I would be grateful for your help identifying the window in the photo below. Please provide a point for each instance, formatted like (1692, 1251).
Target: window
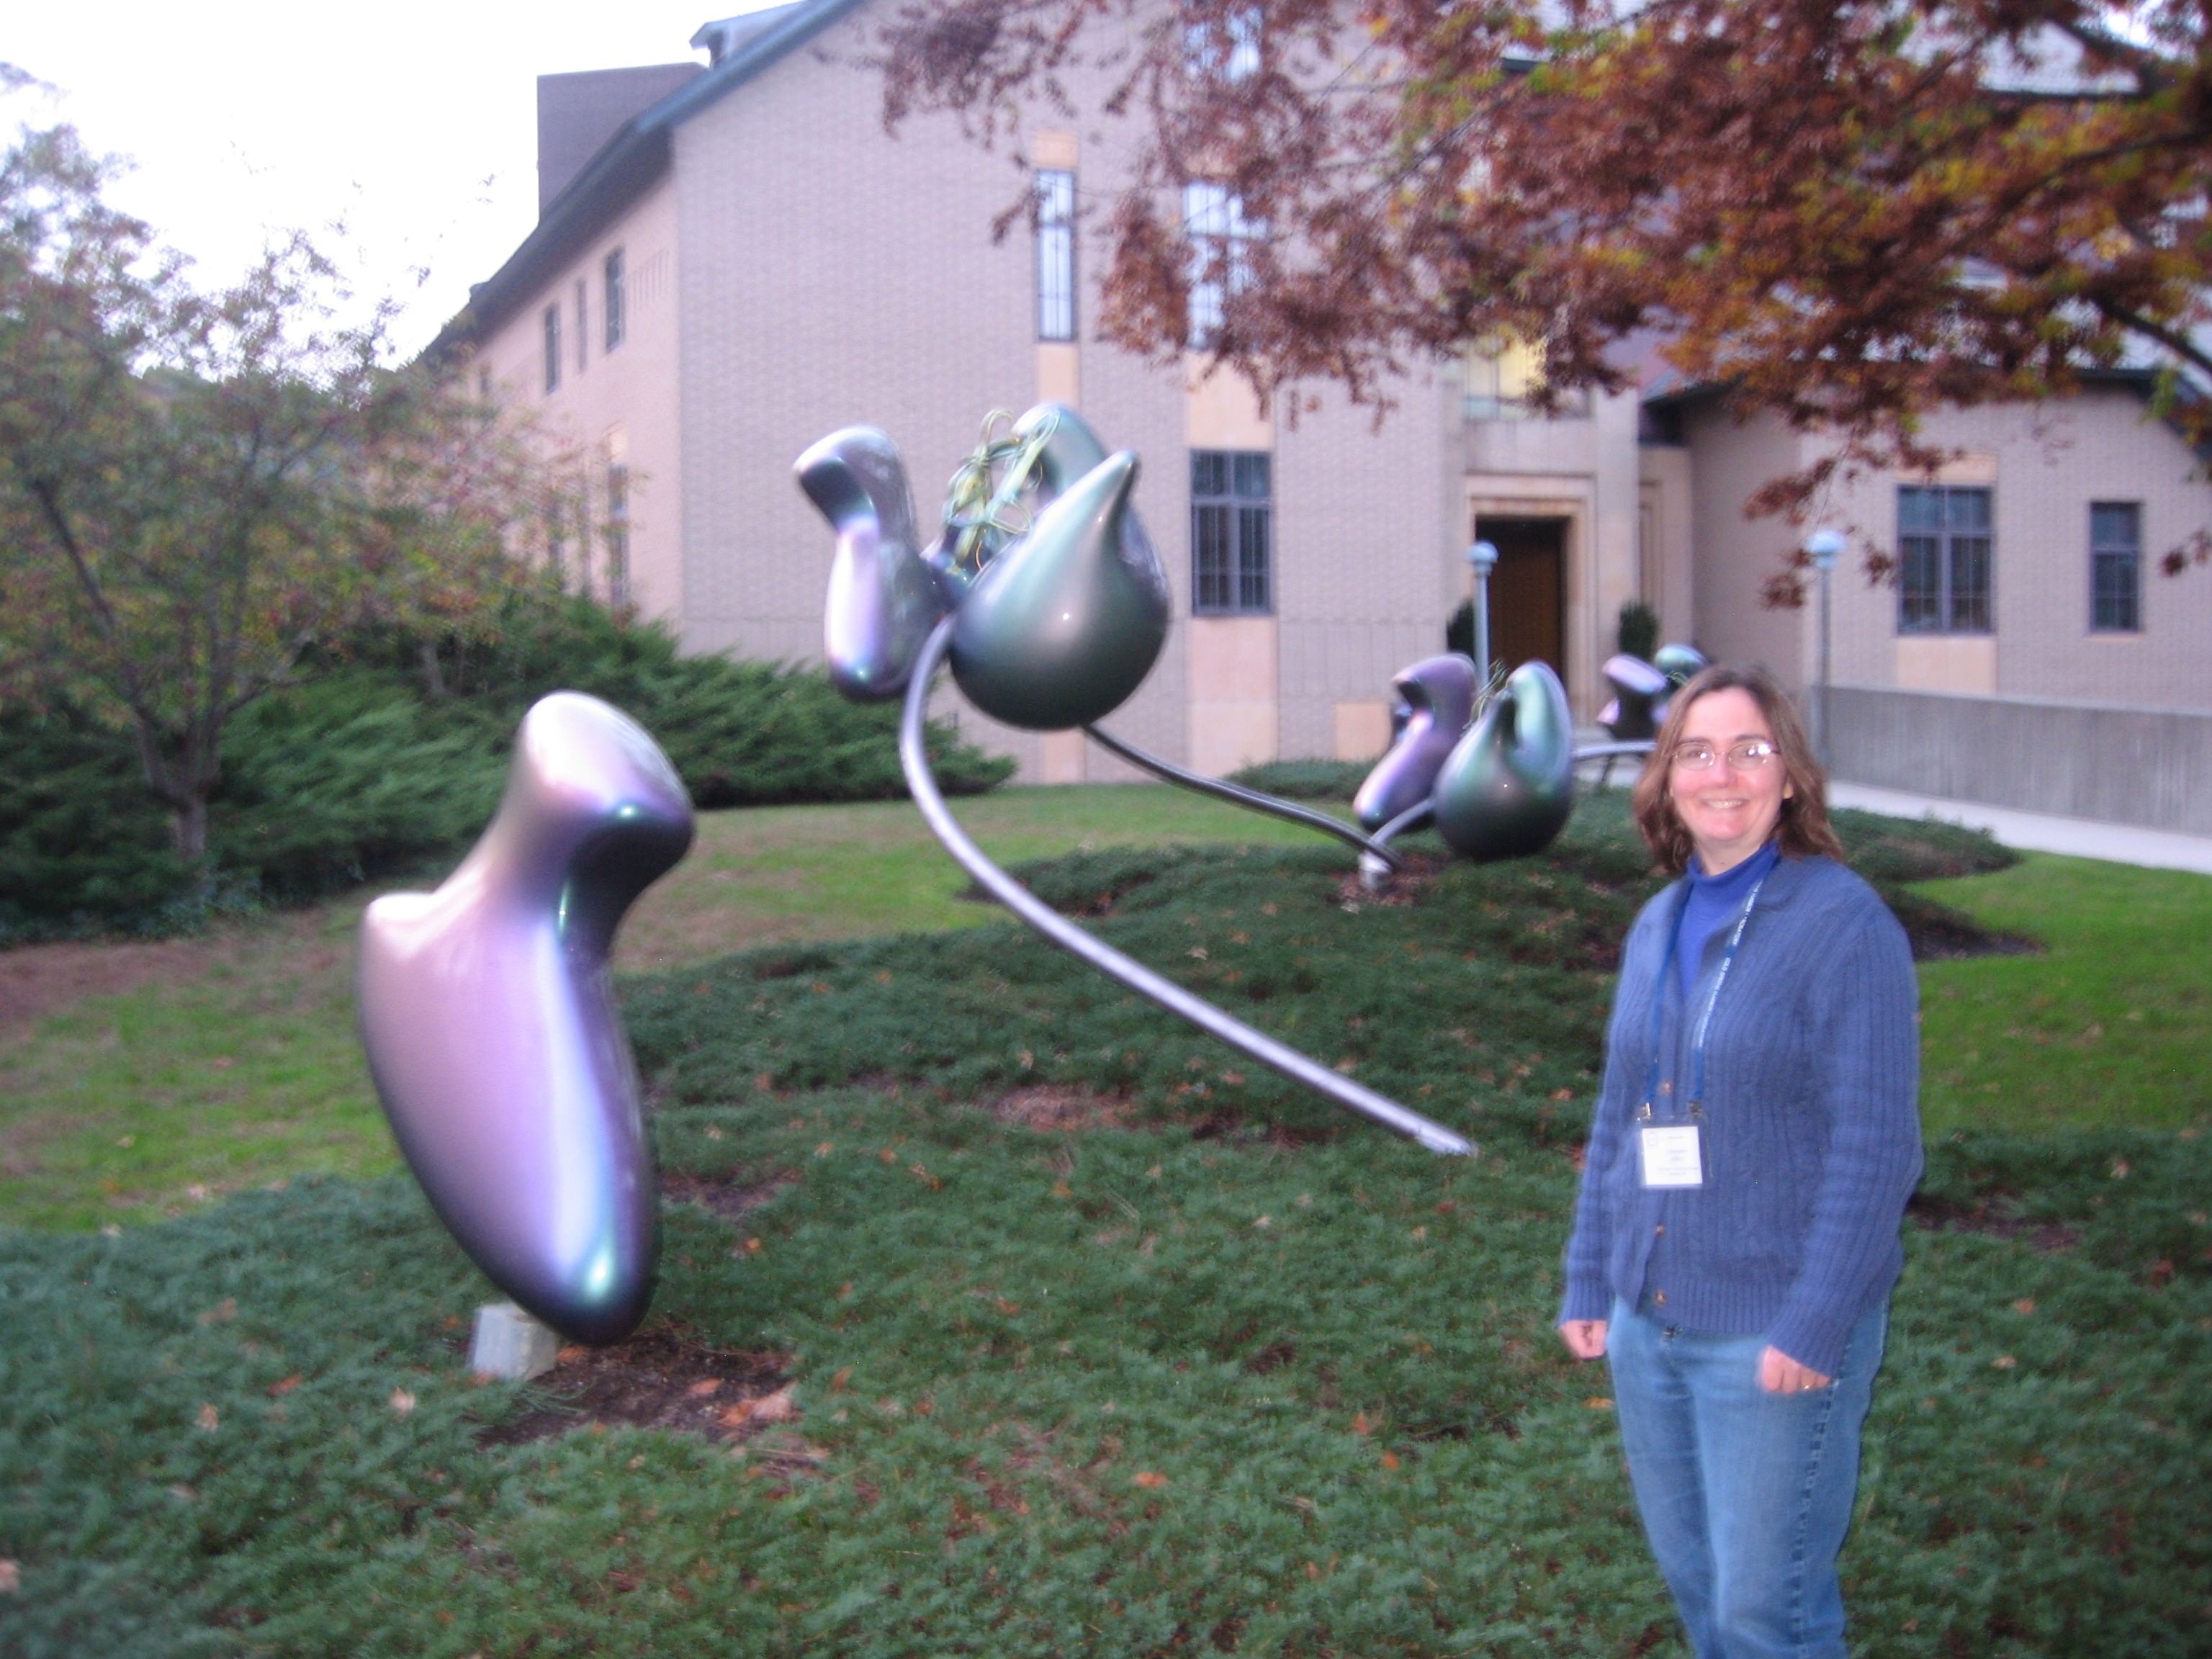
(552, 348)
(1503, 378)
(1055, 255)
(613, 306)
(1943, 545)
(583, 322)
(1225, 48)
(1221, 255)
(1231, 532)
(617, 567)
(2115, 567)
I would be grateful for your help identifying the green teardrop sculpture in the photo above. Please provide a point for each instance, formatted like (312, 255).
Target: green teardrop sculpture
(1510, 783)
(1065, 622)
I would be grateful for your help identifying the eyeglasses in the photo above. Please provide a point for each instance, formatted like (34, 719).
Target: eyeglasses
(1746, 755)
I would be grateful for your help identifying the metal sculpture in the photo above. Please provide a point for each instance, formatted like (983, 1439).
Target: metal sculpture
(489, 1016)
(1434, 701)
(1638, 691)
(1508, 785)
(1055, 609)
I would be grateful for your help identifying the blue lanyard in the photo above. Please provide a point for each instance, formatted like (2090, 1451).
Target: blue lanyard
(1705, 1020)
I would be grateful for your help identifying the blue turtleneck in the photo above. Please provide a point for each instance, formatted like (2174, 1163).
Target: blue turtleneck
(1713, 903)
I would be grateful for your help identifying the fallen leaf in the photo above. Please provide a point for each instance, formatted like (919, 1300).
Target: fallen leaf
(838, 1382)
(2005, 1361)
(1389, 1460)
(777, 1408)
(2119, 1169)
(11, 1578)
(1360, 1425)
(574, 1352)
(222, 1313)
(754, 1247)
(401, 1401)
(1598, 1403)
(208, 1420)
(703, 1387)
(2025, 1306)
(1149, 1480)
(279, 1390)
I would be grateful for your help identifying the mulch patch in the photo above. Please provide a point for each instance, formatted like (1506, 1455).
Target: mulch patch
(1062, 1106)
(1401, 886)
(727, 1199)
(1993, 1220)
(661, 1378)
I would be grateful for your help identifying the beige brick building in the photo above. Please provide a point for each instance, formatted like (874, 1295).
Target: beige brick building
(734, 258)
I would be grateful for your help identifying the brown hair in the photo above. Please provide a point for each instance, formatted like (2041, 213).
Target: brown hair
(1803, 829)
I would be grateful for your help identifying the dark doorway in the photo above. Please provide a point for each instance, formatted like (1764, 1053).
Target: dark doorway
(1528, 591)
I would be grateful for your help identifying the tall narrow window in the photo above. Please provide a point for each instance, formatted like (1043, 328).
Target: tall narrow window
(583, 322)
(1231, 532)
(613, 303)
(617, 566)
(552, 348)
(1225, 48)
(1055, 254)
(2115, 567)
(1944, 544)
(1221, 239)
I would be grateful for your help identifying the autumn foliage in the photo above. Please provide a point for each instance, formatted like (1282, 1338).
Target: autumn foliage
(1845, 212)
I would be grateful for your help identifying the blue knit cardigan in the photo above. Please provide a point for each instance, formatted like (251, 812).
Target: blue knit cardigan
(1810, 1122)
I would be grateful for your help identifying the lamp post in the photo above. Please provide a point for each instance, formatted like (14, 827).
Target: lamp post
(1825, 546)
(1483, 558)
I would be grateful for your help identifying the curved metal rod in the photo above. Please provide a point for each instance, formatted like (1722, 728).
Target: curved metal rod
(914, 757)
(1222, 789)
(1375, 872)
(1613, 750)
(1610, 752)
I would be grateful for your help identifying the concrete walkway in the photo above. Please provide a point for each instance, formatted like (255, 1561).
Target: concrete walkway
(2121, 843)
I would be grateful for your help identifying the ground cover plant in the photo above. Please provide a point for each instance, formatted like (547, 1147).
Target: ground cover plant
(1026, 1322)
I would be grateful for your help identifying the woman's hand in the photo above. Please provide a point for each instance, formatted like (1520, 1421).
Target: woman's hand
(1779, 1374)
(1585, 1338)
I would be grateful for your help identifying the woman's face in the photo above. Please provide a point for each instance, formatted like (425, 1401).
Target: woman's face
(1728, 810)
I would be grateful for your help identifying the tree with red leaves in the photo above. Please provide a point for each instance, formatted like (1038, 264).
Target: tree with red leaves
(1848, 212)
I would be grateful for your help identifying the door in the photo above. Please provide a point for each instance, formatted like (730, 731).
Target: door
(1528, 591)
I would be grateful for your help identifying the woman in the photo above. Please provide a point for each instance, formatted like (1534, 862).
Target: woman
(1757, 1135)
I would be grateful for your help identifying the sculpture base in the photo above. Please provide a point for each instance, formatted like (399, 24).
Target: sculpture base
(509, 1344)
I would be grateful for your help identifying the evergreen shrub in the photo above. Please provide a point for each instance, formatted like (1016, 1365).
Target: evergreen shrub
(392, 753)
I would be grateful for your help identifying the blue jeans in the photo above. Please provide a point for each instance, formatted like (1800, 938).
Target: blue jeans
(1745, 1495)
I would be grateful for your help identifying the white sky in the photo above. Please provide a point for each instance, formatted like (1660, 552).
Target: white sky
(413, 123)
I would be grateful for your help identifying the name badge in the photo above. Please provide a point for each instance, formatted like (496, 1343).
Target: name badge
(1670, 1155)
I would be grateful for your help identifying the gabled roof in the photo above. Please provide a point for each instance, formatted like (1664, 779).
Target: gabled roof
(625, 166)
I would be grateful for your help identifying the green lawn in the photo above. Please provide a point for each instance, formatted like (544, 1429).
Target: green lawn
(145, 1104)
(2111, 1024)
(1204, 1366)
